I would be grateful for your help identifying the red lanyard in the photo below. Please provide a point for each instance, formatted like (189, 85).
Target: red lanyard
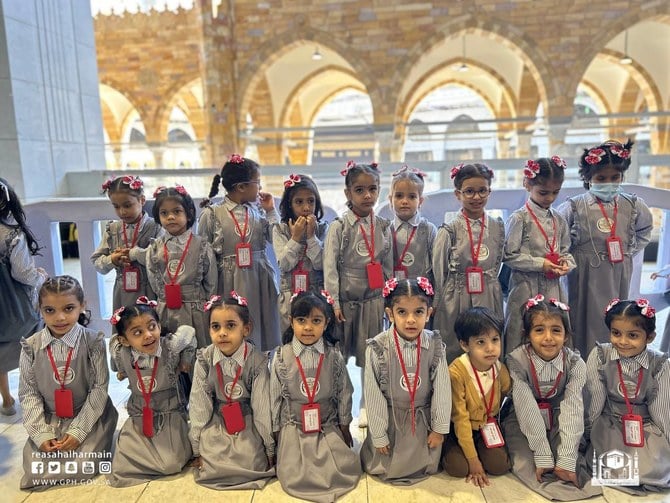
(241, 232)
(238, 373)
(623, 387)
(181, 260)
(552, 245)
(481, 388)
(146, 394)
(311, 393)
(136, 232)
(475, 253)
(411, 390)
(614, 215)
(536, 383)
(53, 366)
(302, 259)
(368, 245)
(404, 251)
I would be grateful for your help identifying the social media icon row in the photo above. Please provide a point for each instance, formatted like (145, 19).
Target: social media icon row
(69, 467)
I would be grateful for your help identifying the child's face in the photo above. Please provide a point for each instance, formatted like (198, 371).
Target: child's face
(409, 315)
(173, 217)
(247, 192)
(483, 349)
(545, 193)
(60, 312)
(128, 207)
(142, 333)
(547, 335)
(309, 329)
(303, 203)
(227, 330)
(627, 337)
(406, 199)
(607, 174)
(363, 194)
(473, 195)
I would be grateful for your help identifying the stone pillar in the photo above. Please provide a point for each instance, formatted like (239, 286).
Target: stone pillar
(384, 146)
(51, 122)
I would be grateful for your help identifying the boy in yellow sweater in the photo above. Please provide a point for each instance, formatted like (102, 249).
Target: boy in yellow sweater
(479, 382)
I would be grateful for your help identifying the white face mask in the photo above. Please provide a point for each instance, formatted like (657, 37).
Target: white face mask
(605, 191)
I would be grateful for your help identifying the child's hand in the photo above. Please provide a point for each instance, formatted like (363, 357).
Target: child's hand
(67, 443)
(196, 462)
(121, 376)
(120, 257)
(266, 200)
(311, 226)
(549, 267)
(541, 471)
(184, 367)
(339, 316)
(384, 450)
(566, 475)
(476, 473)
(346, 433)
(49, 446)
(297, 228)
(435, 439)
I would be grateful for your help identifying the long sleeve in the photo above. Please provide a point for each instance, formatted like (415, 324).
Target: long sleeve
(441, 252)
(658, 408)
(345, 391)
(32, 403)
(331, 259)
(315, 252)
(207, 224)
(375, 402)
(514, 256)
(23, 267)
(288, 252)
(184, 343)
(275, 396)
(200, 405)
(260, 405)
(102, 256)
(114, 350)
(643, 225)
(211, 277)
(571, 420)
(153, 272)
(565, 242)
(596, 389)
(460, 415)
(440, 407)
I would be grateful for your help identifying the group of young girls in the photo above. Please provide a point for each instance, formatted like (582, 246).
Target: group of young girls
(251, 418)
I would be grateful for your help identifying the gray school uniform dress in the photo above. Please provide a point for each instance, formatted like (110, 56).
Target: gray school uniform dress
(345, 258)
(138, 458)
(94, 419)
(237, 461)
(451, 256)
(314, 466)
(418, 259)
(528, 441)
(389, 408)
(651, 402)
(595, 281)
(524, 252)
(257, 283)
(197, 277)
(289, 254)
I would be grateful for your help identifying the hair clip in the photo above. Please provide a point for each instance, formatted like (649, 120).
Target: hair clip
(456, 170)
(159, 189)
(292, 180)
(612, 303)
(594, 156)
(295, 294)
(531, 168)
(236, 159)
(107, 184)
(620, 151)
(407, 169)
(116, 317)
(242, 301)
(534, 301)
(328, 297)
(646, 309)
(374, 166)
(181, 189)
(210, 303)
(133, 182)
(424, 284)
(559, 304)
(490, 171)
(559, 161)
(144, 301)
(389, 286)
(350, 164)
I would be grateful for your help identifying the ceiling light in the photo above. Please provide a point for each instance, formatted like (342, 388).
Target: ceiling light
(316, 55)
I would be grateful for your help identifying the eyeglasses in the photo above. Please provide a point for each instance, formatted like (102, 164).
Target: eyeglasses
(471, 193)
(257, 182)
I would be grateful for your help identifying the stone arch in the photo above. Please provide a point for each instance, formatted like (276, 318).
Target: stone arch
(181, 91)
(121, 113)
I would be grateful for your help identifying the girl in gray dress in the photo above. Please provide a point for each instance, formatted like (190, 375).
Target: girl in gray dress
(153, 441)
(298, 241)
(407, 389)
(239, 229)
(607, 228)
(536, 245)
(63, 380)
(310, 396)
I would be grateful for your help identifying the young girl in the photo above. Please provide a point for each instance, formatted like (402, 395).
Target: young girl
(181, 266)
(479, 382)
(231, 430)
(298, 241)
(536, 245)
(357, 260)
(124, 244)
(412, 234)
(19, 281)
(407, 389)
(153, 441)
(629, 388)
(239, 232)
(545, 424)
(310, 397)
(467, 255)
(63, 391)
(607, 228)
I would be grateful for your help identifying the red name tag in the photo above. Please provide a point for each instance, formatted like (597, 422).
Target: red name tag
(64, 402)
(547, 414)
(300, 280)
(474, 279)
(554, 258)
(233, 419)
(375, 275)
(148, 421)
(243, 254)
(491, 434)
(633, 433)
(400, 272)
(131, 279)
(173, 296)
(311, 418)
(614, 249)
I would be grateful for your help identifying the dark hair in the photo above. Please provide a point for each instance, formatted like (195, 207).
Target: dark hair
(412, 175)
(65, 285)
(285, 209)
(620, 163)
(302, 305)
(232, 174)
(549, 170)
(232, 303)
(474, 170)
(547, 309)
(172, 193)
(476, 321)
(630, 309)
(353, 171)
(133, 311)
(121, 184)
(407, 288)
(10, 205)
